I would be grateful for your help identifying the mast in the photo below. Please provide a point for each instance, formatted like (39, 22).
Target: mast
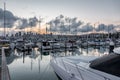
(108, 33)
(93, 32)
(30, 26)
(4, 19)
(69, 27)
(46, 29)
(39, 25)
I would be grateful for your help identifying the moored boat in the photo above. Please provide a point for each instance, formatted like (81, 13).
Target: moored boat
(88, 67)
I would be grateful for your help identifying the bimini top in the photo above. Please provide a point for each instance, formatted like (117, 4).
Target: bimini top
(117, 50)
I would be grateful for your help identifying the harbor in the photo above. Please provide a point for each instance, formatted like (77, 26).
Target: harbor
(36, 64)
(30, 56)
(59, 40)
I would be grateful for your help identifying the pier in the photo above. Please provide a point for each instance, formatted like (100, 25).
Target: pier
(4, 68)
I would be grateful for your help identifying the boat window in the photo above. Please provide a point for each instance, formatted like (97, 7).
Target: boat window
(109, 64)
(4, 42)
(46, 44)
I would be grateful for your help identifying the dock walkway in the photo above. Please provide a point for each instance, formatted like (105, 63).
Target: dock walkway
(4, 68)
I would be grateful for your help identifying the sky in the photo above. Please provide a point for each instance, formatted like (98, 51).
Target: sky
(92, 11)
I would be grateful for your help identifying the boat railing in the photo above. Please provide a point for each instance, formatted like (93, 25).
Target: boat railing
(77, 70)
(73, 70)
(92, 72)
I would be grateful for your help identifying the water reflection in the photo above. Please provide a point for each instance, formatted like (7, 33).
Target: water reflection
(94, 51)
(35, 65)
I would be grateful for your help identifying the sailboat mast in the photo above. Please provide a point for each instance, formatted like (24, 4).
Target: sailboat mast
(39, 25)
(69, 27)
(4, 19)
(108, 33)
(46, 28)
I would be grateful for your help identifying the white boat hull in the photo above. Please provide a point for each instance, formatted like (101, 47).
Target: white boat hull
(73, 69)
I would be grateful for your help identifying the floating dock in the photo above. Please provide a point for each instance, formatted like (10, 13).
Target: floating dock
(4, 68)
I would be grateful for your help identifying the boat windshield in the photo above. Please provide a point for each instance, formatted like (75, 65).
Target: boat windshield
(108, 63)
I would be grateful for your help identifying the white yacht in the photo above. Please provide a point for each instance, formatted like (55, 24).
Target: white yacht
(23, 45)
(117, 50)
(88, 67)
(69, 44)
(54, 44)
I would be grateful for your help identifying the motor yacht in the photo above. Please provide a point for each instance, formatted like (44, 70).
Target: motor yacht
(83, 67)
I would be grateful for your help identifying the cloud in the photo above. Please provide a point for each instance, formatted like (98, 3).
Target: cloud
(75, 24)
(111, 27)
(64, 24)
(22, 23)
(86, 28)
(61, 24)
(101, 27)
(33, 21)
(106, 28)
(9, 18)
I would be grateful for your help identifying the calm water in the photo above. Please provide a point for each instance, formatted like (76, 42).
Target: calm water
(35, 65)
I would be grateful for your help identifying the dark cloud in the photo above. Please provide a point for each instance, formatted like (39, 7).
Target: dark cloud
(8, 15)
(9, 18)
(64, 24)
(25, 23)
(33, 21)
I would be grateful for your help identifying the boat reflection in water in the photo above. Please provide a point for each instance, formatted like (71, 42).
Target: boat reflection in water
(35, 65)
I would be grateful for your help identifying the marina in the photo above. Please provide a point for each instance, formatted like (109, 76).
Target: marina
(59, 40)
(36, 64)
(35, 56)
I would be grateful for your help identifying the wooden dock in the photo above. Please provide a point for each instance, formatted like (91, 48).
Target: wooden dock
(4, 68)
